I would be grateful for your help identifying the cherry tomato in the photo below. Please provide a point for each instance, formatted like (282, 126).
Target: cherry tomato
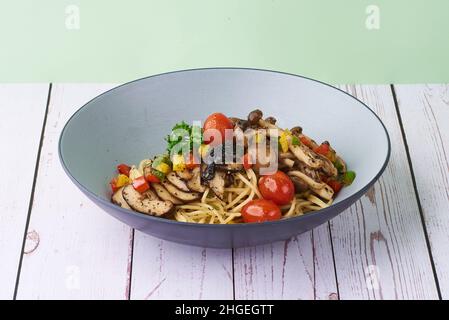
(335, 185)
(140, 184)
(260, 210)
(219, 122)
(277, 187)
(124, 169)
(247, 164)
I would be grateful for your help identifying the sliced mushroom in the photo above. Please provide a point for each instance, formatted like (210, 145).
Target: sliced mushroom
(217, 184)
(194, 184)
(164, 194)
(143, 204)
(150, 194)
(300, 185)
(177, 182)
(181, 195)
(319, 188)
(117, 198)
(185, 174)
(288, 162)
(304, 154)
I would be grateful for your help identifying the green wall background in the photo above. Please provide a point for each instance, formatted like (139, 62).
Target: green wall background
(324, 39)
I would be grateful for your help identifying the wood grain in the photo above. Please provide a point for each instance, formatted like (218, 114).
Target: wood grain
(74, 250)
(300, 268)
(425, 114)
(379, 243)
(165, 270)
(22, 111)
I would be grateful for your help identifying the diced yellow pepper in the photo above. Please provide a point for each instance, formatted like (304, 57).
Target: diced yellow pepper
(283, 141)
(164, 168)
(122, 181)
(178, 163)
(203, 150)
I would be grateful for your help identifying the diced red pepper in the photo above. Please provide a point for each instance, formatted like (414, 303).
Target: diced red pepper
(191, 164)
(322, 149)
(246, 162)
(124, 169)
(113, 184)
(306, 141)
(335, 185)
(140, 184)
(152, 178)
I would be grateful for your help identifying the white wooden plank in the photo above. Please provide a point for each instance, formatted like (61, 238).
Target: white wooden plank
(22, 111)
(166, 270)
(82, 252)
(425, 115)
(379, 243)
(300, 268)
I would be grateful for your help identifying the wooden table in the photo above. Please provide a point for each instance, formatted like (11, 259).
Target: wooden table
(392, 244)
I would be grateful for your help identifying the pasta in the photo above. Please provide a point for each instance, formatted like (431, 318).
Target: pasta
(279, 174)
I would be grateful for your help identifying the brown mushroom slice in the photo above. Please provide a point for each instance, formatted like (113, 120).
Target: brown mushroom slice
(320, 188)
(118, 199)
(164, 194)
(194, 183)
(185, 174)
(143, 204)
(328, 167)
(217, 184)
(300, 151)
(177, 181)
(305, 155)
(288, 162)
(181, 195)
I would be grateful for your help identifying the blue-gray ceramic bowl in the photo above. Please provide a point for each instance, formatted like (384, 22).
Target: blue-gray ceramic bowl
(128, 123)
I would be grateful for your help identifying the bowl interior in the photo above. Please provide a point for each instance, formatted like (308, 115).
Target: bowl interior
(129, 123)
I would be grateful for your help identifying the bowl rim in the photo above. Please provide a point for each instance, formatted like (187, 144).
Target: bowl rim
(345, 203)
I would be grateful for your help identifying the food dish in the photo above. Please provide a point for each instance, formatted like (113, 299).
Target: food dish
(233, 170)
(128, 123)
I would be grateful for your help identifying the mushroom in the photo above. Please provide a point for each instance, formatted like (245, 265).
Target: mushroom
(181, 195)
(177, 182)
(164, 194)
(143, 204)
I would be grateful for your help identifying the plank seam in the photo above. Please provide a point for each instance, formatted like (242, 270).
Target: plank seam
(129, 284)
(333, 259)
(418, 200)
(30, 203)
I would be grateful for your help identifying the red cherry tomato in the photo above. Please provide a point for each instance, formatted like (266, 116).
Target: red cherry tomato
(124, 169)
(260, 210)
(277, 187)
(219, 122)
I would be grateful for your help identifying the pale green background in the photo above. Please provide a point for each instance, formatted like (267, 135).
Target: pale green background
(124, 40)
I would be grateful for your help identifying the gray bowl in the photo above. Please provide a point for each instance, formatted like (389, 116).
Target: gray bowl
(129, 123)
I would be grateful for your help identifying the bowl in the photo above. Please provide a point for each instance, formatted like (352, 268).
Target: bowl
(129, 123)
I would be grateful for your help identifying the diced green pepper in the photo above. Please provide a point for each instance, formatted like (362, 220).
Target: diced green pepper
(348, 177)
